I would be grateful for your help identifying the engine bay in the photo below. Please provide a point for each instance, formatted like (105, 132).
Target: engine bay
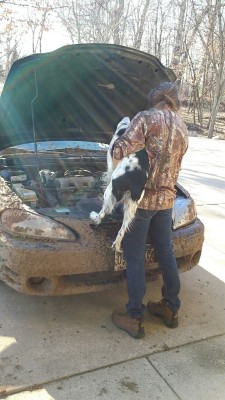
(54, 180)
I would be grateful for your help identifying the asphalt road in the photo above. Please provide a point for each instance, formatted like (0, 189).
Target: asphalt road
(67, 348)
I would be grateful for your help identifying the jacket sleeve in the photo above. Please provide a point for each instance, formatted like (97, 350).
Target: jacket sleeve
(133, 139)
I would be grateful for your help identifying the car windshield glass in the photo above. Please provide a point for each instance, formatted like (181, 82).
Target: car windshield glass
(57, 146)
(52, 146)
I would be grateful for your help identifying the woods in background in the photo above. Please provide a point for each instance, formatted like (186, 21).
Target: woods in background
(186, 35)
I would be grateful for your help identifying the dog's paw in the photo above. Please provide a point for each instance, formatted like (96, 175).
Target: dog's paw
(95, 218)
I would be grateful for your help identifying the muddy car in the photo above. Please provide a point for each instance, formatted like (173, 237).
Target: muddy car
(57, 114)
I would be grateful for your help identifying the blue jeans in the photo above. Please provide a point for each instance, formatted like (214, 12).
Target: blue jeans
(134, 242)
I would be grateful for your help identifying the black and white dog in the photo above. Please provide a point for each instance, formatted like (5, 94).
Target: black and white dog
(125, 183)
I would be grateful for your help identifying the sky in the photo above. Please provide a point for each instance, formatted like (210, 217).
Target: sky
(52, 40)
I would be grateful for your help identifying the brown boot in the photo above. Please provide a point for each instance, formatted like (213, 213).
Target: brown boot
(133, 326)
(160, 309)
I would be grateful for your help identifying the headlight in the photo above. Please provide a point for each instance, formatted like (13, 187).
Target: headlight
(26, 223)
(184, 212)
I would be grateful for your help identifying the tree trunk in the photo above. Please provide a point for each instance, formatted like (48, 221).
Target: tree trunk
(141, 24)
(117, 14)
(216, 103)
(178, 46)
(219, 63)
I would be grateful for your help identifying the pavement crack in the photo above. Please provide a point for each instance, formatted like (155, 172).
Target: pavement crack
(164, 379)
(68, 376)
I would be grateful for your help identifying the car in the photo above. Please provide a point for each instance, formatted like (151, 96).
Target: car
(58, 111)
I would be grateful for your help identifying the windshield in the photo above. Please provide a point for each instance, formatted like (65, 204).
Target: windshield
(57, 146)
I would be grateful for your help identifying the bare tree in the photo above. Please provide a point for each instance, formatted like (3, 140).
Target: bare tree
(210, 71)
(179, 39)
(140, 24)
(218, 60)
(38, 22)
(186, 35)
(9, 39)
(117, 13)
(93, 21)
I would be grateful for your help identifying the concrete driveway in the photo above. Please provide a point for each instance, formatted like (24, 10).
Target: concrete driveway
(67, 348)
(203, 174)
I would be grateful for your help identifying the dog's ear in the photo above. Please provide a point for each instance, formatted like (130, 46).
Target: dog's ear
(123, 124)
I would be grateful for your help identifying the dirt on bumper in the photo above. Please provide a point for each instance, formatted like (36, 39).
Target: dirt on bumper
(53, 268)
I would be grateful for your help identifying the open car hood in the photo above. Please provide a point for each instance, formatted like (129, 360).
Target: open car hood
(78, 92)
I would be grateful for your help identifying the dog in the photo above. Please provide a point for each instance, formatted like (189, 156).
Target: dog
(125, 183)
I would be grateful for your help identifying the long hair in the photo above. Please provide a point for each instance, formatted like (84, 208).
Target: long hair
(167, 92)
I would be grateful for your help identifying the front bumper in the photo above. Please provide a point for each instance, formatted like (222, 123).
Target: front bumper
(61, 268)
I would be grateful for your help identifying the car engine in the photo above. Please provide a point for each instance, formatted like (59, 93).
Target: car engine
(64, 182)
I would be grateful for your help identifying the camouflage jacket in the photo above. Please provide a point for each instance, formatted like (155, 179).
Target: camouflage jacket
(164, 136)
